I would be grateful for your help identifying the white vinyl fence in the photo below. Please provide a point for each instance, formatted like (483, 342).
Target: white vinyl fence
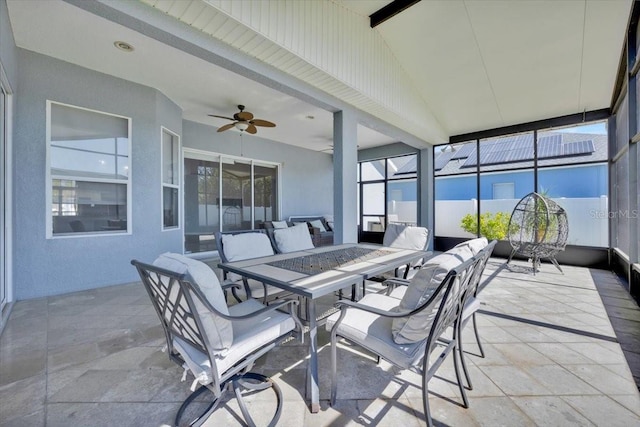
(588, 217)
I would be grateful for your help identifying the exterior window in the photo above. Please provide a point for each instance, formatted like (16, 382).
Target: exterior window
(89, 170)
(387, 192)
(170, 179)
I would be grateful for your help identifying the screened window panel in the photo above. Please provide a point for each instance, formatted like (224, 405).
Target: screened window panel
(89, 169)
(170, 159)
(373, 171)
(622, 211)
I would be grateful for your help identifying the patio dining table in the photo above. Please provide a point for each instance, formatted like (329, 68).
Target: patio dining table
(317, 272)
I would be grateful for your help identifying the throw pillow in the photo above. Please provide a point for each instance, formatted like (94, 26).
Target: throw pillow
(318, 224)
(415, 328)
(280, 224)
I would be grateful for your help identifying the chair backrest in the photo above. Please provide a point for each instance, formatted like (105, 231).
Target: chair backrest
(406, 237)
(187, 315)
(241, 245)
(292, 239)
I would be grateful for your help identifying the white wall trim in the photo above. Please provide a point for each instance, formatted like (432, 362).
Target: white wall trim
(180, 161)
(8, 214)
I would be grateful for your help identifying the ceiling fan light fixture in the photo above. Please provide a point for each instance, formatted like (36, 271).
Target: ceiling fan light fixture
(242, 126)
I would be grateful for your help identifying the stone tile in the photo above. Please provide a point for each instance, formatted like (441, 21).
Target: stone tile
(603, 379)
(629, 401)
(387, 412)
(603, 411)
(600, 352)
(559, 381)
(561, 353)
(35, 419)
(19, 365)
(110, 414)
(22, 398)
(343, 413)
(522, 354)
(514, 381)
(498, 411)
(550, 411)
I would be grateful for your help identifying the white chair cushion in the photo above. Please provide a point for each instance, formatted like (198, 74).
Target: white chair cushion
(406, 237)
(248, 336)
(415, 328)
(279, 224)
(218, 330)
(475, 245)
(238, 247)
(296, 238)
(374, 332)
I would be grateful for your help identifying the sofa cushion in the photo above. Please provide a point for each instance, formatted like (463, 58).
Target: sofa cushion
(415, 328)
(218, 330)
(296, 238)
(475, 245)
(318, 224)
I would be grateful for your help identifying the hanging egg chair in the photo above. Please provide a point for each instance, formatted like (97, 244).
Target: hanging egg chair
(538, 229)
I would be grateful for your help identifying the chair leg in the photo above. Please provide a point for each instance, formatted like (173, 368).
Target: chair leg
(425, 397)
(334, 368)
(555, 262)
(464, 363)
(205, 414)
(456, 363)
(475, 331)
(263, 383)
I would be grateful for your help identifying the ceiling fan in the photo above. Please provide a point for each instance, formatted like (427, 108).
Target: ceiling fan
(243, 121)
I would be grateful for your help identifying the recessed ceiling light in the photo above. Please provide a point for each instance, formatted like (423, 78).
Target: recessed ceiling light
(123, 46)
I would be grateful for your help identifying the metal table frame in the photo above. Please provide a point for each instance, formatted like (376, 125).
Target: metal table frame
(314, 286)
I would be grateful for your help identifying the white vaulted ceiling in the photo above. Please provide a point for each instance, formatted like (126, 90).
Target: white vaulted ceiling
(437, 69)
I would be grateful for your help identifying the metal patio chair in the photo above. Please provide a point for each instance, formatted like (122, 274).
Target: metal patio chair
(216, 344)
(406, 237)
(407, 335)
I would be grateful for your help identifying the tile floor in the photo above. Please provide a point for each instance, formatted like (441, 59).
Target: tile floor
(552, 359)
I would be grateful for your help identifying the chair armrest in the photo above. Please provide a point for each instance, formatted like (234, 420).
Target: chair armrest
(392, 283)
(343, 305)
(229, 285)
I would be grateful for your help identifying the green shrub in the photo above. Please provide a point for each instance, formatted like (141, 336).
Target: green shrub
(492, 226)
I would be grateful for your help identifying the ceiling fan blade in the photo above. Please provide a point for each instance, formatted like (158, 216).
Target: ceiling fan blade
(252, 129)
(264, 123)
(221, 117)
(226, 127)
(243, 115)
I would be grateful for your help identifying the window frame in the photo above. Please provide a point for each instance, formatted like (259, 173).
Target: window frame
(178, 186)
(49, 177)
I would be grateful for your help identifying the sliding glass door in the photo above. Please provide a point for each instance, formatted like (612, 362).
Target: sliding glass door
(222, 193)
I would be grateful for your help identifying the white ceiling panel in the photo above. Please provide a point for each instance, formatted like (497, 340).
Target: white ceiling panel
(476, 64)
